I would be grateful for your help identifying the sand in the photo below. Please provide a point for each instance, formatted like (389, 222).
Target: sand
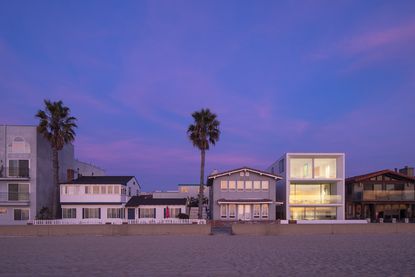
(220, 255)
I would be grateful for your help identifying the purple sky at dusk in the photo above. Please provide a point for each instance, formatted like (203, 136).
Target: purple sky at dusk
(312, 76)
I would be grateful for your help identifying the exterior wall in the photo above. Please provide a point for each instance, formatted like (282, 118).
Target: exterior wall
(182, 192)
(86, 169)
(217, 193)
(282, 167)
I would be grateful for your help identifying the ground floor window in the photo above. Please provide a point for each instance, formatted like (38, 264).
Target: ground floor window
(91, 213)
(223, 211)
(147, 213)
(21, 214)
(244, 212)
(265, 210)
(174, 212)
(68, 212)
(313, 213)
(115, 213)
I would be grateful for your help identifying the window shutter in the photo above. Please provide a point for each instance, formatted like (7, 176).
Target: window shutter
(164, 212)
(99, 213)
(154, 213)
(138, 212)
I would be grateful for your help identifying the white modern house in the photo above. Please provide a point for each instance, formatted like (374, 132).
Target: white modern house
(243, 194)
(313, 188)
(97, 198)
(26, 183)
(146, 207)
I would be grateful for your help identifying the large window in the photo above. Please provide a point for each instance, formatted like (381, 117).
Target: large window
(248, 185)
(19, 168)
(147, 213)
(301, 168)
(265, 185)
(257, 211)
(265, 210)
(313, 213)
(91, 213)
(68, 212)
(232, 211)
(324, 168)
(223, 211)
(257, 185)
(21, 214)
(313, 194)
(174, 212)
(232, 185)
(240, 185)
(224, 185)
(115, 213)
(18, 192)
(19, 145)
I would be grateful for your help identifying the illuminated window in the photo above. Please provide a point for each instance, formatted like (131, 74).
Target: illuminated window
(232, 210)
(324, 168)
(265, 185)
(257, 185)
(110, 189)
(223, 211)
(301, 168)
(248, 185)
(95, 189)
(257, 211)
(224, 185)
(232, 185)
(240, 185)
(103, 190)
(265, 209)
(116, 190)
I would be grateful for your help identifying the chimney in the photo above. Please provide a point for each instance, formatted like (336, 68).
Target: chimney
(70, 174)
(408, 171)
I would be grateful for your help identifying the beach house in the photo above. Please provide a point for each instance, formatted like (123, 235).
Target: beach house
(97, 198)
(313, 186)
(384, 195)
(26, 184)
(244, 194)
(145, 206)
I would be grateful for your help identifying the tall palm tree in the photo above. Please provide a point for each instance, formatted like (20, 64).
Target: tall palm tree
(58, 127)
(203, 133)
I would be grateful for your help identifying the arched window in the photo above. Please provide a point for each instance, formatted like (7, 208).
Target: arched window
(19, 145)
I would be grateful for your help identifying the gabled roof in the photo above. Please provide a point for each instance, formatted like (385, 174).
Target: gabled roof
(149, 200)
(101, 180)
(389, 172)
(229, 172)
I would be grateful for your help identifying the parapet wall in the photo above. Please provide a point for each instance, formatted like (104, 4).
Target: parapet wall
(105, 230)
(321, 229)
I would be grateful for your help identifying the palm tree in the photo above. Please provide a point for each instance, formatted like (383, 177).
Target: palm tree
(203, 133)
(58, 127)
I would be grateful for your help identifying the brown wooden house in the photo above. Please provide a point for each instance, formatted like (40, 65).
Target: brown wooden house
(384, 194)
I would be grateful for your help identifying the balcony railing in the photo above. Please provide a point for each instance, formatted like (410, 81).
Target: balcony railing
(315, 199)
(14, 172)
(386, 195)
(19, 197)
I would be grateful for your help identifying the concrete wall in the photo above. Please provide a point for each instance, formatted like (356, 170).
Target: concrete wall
(321, 229)
(106, 230)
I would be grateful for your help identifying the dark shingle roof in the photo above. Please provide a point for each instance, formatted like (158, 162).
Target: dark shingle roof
(148, 200)
(377, 173)
(102, 180)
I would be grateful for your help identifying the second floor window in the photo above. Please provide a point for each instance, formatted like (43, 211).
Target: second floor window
(19, 168)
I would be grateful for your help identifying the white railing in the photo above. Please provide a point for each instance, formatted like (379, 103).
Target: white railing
(117, 221)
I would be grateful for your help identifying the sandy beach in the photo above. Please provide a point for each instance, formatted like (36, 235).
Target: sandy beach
(219, 255)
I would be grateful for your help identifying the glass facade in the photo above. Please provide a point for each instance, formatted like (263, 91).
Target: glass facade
(317, 168)
(313, 213)
(313, 194)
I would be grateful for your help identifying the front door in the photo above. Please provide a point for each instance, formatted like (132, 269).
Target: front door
(131, 213)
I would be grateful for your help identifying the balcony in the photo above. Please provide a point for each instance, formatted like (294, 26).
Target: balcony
(14, 173)
(14, 198)
(315, 199)
(386, 195)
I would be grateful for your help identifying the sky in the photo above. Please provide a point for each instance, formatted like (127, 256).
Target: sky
(282, 76)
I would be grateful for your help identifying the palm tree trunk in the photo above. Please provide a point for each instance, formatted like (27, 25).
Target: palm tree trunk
(55, 172)
(201, 187)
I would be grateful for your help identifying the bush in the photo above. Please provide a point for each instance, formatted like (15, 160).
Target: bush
(183, 216)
